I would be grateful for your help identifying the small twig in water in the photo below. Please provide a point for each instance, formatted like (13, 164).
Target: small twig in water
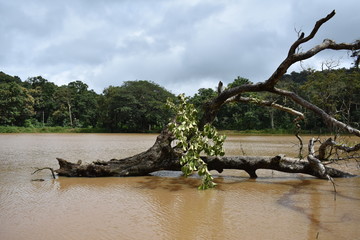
(38, 180)
(333, 183)
(297, 135)
(242, 149)
(39, 169)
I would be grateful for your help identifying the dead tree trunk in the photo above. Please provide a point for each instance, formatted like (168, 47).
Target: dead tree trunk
(126, 167)
(161, 156)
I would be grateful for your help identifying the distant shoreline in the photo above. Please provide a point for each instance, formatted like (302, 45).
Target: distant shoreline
(13, 129)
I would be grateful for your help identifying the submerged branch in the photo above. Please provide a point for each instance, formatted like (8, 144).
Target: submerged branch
(297, 135)
(315, 163)
(279, 163)
(49, 168)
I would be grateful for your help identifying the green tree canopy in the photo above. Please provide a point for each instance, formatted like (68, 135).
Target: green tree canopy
(5, 78)
(84, 104)
(43, 93)
(76, 106)
(136, 106)
(16, 104)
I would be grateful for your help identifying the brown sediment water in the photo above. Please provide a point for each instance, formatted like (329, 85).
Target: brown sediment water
(165, 206)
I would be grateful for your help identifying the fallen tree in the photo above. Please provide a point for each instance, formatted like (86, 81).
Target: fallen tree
(131, 167)
(164, 156)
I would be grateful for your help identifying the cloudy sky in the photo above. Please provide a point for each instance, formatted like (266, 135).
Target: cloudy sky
(182, 45)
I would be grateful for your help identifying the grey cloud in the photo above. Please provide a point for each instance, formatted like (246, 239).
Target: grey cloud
(182, 45)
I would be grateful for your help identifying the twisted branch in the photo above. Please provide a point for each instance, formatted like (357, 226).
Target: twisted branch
(49, 168)
(269, 85)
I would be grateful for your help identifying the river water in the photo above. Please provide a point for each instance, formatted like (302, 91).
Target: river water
(166, 206)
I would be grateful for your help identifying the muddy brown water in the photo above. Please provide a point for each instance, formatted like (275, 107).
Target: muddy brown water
(165, 206)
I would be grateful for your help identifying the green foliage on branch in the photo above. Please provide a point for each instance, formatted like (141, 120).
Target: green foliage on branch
(194, 141)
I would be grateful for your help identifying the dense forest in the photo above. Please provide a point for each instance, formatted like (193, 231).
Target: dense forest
(139, 106)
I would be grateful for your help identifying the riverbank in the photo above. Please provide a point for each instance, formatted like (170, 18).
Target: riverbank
(257, 132)
(11, 129)
(275, 132)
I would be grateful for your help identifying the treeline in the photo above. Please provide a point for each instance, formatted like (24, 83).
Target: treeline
(139, 106)
(136, 106)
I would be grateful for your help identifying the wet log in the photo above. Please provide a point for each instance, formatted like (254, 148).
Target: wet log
(279, 163)
(161, 156)
(141, 167)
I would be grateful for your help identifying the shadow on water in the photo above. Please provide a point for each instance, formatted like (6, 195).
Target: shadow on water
(171, 184)
(287, 201)
(175, 181)
(306, 199)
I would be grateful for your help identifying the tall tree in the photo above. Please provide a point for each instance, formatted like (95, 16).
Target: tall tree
(136, 106)
(62, 116)
(16, 104)
(43, 93)
(84, 104)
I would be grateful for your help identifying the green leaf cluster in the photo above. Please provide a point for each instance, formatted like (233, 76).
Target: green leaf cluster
(193, 141)
(136, 106)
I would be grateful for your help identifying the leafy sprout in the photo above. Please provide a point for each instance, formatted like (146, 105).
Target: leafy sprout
(194, 141)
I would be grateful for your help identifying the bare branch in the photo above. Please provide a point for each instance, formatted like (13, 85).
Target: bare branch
(329, 120)
(297, 135)
(269, 85)
(326, 44)
(314, 162)
(318, 166)
(290, 60)
(311, 35)
(330, 64)
(272, 104)
(331, 143)
(49, 168)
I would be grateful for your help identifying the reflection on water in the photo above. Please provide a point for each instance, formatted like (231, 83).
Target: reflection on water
(166, 205)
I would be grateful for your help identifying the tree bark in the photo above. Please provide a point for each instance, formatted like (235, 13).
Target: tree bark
(138, 166)
(161, 156)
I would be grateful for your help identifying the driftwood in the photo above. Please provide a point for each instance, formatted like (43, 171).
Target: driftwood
(162, 156)
(40, 169)
(123, 168)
